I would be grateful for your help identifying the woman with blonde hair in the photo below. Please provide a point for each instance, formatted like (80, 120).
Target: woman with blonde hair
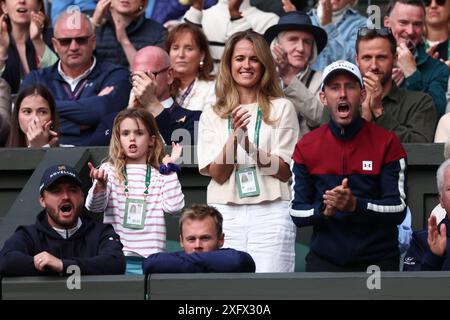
(251, 131)
(122, 29)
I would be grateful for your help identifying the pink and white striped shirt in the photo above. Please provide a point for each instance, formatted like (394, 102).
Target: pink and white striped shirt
(164, 195)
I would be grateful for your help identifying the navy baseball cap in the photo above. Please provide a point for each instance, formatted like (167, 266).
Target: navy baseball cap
(54, 173)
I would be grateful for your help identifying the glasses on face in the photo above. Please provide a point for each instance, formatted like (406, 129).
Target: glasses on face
(364, 31)
(65, 42)
(438, 2)
(155, 74)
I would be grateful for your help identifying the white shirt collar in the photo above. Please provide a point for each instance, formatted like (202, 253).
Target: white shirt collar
(73, 82)
(167, 103)
(67, 233)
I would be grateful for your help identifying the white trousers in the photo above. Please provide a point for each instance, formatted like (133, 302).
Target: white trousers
(265, 231)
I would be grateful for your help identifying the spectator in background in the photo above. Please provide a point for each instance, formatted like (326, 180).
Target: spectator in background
(438, 211)
(295, 44)
(5, 111)
(225, 18)
(201, 238)
(122, 29)
(63, 235)
(166, 10)
(341, 22)
(151, 78)
(437, 18)
(415, 70)
(35, 121)
(356, 199)
(85, 90)
(251, 131)
(411, 115)
(25, 40)
(429, 248)
(193, 86)
(60, 6)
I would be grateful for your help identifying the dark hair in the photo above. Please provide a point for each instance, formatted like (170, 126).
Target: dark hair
(370, 34)
(200, 212)
(204, 73)
(16, 137)
(392, 3)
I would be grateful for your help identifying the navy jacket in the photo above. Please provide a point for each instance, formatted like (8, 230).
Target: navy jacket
(14, 73)
(175, 124)
(88, 109)
(141, 32)
(221, 260)
(374, 162)
(419, 256)
(95, 248)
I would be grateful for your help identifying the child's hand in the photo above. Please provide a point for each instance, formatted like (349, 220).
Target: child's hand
(100, 175)
(177, 149)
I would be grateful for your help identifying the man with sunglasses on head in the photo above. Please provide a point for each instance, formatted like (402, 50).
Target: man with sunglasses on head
(85, 90)
(437, 17)
(411, 115)
(415, 70)
(151, 77)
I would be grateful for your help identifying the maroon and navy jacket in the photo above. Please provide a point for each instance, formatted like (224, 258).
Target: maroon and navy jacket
(374, 162)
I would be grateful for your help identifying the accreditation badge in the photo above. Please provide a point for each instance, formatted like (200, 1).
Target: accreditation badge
(247, 182)
(134, 217)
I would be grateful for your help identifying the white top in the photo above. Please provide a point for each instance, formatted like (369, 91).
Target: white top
(165, 195)
(202, 95)
(279, 140)
(443, 129)
(439, 213)
(218, 27)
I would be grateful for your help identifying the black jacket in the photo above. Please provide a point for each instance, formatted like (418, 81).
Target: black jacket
(95, 248)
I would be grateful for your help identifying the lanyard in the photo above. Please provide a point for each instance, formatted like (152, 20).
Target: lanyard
(257, 127)
(427, 46)
(148, 175)
(186, 93)
(74, 96)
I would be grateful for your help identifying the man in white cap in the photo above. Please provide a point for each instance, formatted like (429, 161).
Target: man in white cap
(349, 182)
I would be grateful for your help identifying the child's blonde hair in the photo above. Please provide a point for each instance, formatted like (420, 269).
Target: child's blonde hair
(117, 156)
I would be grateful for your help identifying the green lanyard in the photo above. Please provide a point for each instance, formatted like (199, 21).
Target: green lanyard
(148, 175)
(257, 127)
(427, 46)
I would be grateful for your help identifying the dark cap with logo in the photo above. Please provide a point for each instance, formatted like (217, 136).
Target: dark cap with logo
(54, 173)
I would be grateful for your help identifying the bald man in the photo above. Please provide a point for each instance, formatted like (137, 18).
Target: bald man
(85, 90)
(151, 77)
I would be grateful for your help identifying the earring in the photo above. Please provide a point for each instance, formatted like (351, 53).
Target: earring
(141, 8)
(201, 64)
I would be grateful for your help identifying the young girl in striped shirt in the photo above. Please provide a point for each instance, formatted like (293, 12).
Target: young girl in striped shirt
(130, 190)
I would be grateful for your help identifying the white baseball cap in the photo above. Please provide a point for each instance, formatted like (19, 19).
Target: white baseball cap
(341, 66)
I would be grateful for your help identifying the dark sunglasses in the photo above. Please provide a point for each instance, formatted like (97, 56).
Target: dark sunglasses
(65, 42)
(155, 74)
(438, 2)
(364, 31)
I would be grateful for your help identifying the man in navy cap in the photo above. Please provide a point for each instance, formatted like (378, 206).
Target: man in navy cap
(295, 44)
(62, 236)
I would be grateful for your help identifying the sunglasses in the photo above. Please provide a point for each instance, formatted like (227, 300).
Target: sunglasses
(155, 74)
(438, 2)
(364, 31)
(65, 42)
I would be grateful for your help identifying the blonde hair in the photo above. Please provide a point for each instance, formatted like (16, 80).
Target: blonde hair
(267, 88)
(117, 157)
